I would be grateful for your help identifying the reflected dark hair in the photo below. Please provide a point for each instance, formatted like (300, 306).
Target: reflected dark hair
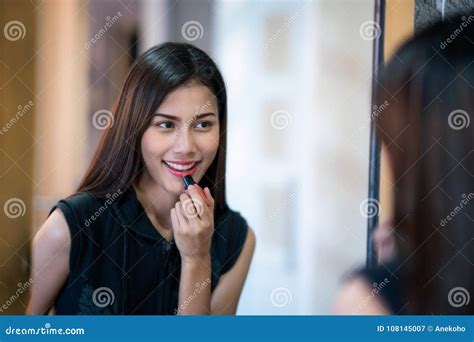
(160, 70)
(429, 138)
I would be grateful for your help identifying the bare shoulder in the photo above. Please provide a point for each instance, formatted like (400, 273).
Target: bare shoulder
(50, 263)
(356, 297)
(225, 297)
(54, 232)
(251, 240)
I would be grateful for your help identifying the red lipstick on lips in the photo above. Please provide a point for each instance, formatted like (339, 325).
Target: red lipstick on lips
(181, 173)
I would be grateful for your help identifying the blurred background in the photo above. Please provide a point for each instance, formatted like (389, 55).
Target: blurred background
(299, 78)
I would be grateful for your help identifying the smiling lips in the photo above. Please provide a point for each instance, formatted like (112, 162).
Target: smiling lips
(181, 168)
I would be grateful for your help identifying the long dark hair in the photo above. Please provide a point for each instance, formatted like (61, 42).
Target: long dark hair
(426, 129)
(160, 70)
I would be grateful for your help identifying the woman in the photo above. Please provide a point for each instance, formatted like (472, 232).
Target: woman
(131, 240)
(429, 141)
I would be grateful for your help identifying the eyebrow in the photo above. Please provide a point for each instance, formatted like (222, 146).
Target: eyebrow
(197, 117)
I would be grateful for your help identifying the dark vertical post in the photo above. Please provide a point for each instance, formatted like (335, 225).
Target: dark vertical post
(374, 151)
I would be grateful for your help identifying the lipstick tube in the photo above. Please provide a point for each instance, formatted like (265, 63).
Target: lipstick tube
(188, 180)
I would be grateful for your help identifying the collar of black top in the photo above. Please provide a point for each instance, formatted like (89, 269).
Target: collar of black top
(129, 212)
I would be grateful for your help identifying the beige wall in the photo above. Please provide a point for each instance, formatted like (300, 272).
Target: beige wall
(62, 94)
(17, 78)
(399, 25)
(41, 153)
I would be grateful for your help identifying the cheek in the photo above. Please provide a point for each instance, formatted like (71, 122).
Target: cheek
(210, 145)
(151, 147)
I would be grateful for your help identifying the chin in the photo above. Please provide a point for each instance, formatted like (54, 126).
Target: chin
(175, 188)
(178, 191)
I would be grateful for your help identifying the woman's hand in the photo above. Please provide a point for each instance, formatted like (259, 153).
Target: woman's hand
(193, 224)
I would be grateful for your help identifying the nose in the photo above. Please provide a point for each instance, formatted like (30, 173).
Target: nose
(184, 143)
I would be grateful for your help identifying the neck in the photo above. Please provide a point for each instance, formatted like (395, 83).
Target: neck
(156, 200)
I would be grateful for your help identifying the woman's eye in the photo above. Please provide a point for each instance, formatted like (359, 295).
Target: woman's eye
(204, 125)
(166, 124)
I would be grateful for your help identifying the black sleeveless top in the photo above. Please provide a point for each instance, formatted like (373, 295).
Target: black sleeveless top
(120, 264)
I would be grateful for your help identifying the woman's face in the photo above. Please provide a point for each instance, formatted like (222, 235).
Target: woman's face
(183, 137)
